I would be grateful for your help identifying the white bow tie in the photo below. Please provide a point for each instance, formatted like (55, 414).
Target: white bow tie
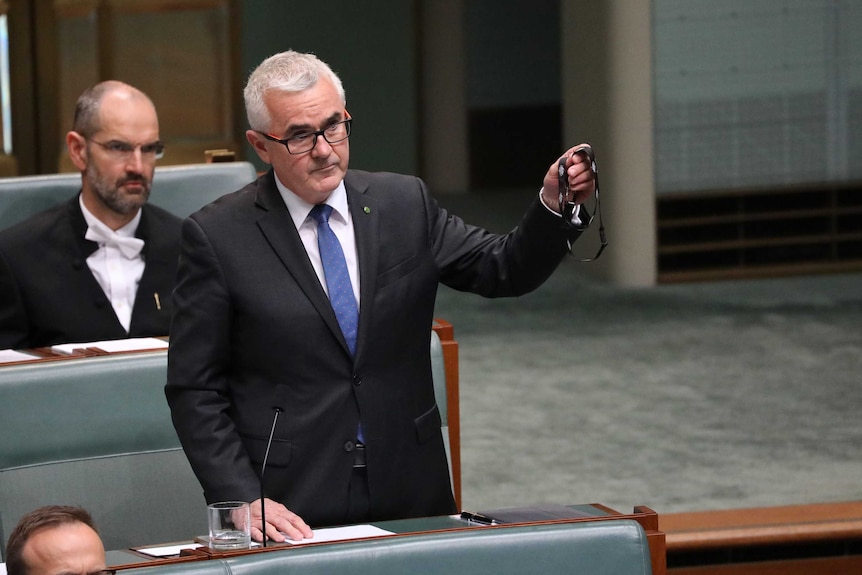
(129, 246)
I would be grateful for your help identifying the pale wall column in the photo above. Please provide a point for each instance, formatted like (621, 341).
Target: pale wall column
(444, 156)
(607, 100)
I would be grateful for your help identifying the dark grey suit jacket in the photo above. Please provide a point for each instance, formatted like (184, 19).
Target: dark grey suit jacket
(48, 294)
(253, 329)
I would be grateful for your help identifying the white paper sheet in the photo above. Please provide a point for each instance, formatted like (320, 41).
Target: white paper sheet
(168, 550)
(114, 345)
(342, 534)
(10, 355)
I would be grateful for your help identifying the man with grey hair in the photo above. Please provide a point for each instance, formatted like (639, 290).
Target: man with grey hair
(101, 265)
(303, 311)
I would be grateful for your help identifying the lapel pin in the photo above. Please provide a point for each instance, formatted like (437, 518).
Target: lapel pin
(366, 209)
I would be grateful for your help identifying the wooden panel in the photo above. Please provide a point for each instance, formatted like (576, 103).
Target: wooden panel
(183, 54)
(816, 538)
(759, 233)
(825, 566)
(762, 526)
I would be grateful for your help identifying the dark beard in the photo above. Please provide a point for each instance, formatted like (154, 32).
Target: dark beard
(111, 195)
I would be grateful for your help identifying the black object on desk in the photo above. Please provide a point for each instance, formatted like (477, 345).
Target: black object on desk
(542, 512)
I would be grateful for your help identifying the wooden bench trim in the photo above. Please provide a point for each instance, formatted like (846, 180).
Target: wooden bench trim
(762, 526)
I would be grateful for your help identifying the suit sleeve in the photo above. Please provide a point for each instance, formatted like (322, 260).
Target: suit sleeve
(475, 260)
(198, 371)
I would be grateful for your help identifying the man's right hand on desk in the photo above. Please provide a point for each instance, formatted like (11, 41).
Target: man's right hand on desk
(280, 522)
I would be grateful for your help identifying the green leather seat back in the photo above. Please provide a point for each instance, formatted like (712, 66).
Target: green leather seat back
(97, 433)
(598, 548)
(25, 196)
(181, 190)
(438, 373)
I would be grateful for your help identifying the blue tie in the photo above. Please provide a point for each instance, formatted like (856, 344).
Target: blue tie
(337, 278)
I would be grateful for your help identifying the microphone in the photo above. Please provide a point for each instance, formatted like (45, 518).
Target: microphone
(278, 409)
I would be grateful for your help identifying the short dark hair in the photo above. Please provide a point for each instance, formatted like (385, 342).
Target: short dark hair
(86, 121)
(41, 518)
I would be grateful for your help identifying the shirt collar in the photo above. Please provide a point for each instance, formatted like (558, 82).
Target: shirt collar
(299, 208)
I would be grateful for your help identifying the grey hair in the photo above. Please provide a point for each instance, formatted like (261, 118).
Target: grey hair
(284, 72)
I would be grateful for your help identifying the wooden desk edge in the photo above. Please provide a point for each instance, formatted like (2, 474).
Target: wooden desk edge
(645, 516)
(762, 526)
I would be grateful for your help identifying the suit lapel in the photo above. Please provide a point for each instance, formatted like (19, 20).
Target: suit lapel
(277, 227)
(366, 223)
(84, 248)
(158, 271)
(83, 280)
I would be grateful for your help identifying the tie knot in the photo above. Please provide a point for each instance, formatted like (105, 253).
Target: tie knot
(321, 213)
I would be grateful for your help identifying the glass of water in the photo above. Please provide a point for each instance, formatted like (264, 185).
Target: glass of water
(230, 525)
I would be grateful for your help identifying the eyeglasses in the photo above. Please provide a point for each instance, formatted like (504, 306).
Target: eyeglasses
(305, 141)
(120, 150)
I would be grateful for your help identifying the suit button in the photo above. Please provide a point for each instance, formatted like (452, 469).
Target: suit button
(357, 381)
(349, 446)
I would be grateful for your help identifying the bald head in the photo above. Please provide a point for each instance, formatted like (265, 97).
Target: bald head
(88, 119)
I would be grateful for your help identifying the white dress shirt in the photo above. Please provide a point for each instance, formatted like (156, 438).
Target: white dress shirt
(341, 223)
(117, 273)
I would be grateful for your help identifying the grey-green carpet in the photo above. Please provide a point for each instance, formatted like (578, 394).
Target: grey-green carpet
(680, 397)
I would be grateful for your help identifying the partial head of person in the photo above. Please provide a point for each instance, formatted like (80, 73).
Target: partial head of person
(115, 143)
(56, 540)
(299, 123)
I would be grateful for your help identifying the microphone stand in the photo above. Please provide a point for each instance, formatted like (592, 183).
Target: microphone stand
(262, 472)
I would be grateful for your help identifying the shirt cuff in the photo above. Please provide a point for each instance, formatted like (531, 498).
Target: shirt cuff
(576, 219)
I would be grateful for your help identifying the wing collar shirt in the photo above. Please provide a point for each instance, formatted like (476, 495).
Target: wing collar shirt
(341, 223)
(117, 268)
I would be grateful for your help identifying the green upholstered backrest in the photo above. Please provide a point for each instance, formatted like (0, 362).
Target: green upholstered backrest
(82, 408)
(97, 432)
(181, 190)
(598, 548)
(25, 196)
(438, 373)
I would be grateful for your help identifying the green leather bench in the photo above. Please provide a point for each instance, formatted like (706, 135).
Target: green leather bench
(181, 190)
(595, 548)
(97, 432)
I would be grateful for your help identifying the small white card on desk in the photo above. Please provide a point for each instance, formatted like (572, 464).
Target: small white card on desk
(114, 345)
(342, 534)
(167, 550)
